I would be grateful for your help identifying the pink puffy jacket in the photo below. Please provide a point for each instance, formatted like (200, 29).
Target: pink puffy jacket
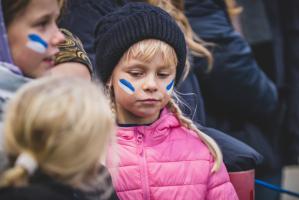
(166, 161)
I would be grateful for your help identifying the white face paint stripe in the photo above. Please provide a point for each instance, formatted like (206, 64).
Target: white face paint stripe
(126, 86)
(36, 43)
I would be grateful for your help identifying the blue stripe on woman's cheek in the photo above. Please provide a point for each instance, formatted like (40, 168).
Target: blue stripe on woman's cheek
(169, 87)
(126, 86)
(36, 43)
(37, 38)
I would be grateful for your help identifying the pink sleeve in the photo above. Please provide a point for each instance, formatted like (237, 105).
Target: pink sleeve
(220, 187)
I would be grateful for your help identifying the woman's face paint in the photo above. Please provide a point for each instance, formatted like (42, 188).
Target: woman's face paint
(169, 87)
(37, 44)
(126, 86)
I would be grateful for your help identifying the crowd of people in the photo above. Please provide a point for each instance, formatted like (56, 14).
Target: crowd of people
(128, 99)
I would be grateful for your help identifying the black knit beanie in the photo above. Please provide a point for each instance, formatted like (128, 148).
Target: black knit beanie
(116, 32)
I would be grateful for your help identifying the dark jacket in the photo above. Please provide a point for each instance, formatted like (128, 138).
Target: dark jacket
(81, 19)
(45, 188)
(284, 23)
(236, 84)
(237, 93)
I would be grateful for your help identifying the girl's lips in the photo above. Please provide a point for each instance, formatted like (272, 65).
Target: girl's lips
(149, 101)
(49, 61)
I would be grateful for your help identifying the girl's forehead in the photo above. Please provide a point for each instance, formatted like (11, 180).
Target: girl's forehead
(152, 49)
(40, 8)
(157, 61)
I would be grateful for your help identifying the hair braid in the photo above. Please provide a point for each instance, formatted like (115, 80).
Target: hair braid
(187, 123)
(15, 176)
(108, 90)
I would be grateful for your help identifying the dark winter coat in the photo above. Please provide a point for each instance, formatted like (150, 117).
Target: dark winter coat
(237, 93)
(284, 22)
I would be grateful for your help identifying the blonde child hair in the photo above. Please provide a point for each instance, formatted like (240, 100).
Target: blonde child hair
(195, 44)
(62, 124)
(145, 50)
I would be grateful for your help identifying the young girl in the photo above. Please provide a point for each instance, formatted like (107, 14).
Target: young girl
(140, 56)
(56, 131)
(29, 39)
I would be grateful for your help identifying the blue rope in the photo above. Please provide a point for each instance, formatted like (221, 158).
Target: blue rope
(276, 188)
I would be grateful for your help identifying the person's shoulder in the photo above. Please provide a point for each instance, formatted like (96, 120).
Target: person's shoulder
(193, 141)
(28, 193)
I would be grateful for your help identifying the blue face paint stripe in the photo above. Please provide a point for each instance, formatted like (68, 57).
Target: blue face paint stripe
(36, 38)
(127, 84)
(169, 86)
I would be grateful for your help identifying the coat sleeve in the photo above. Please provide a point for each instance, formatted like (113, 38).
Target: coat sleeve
(236, 83)
(71, 50)
(220, 187)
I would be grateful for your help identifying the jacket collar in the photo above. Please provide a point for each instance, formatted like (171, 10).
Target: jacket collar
(149, 135)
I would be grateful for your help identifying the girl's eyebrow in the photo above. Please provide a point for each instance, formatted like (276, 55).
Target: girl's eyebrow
(141, 65)
(44, 17)
(47, 15)
(136, 65)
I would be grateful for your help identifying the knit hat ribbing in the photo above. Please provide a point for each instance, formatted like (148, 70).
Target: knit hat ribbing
(118, 31)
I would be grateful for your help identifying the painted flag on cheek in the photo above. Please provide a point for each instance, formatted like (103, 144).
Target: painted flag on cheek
(169, 87)
(126, 86)
(36, 43)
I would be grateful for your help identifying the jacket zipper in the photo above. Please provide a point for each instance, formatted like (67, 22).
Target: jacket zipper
(143, 163)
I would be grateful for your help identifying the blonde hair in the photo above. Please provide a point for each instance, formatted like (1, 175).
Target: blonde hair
(64, 123)
(232, 8)
(195, 44)
(188, 123)
(145, 50)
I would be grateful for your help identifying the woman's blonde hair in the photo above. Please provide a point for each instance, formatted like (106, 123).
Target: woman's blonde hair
(64, 123)
(145, 50)
(195, 44)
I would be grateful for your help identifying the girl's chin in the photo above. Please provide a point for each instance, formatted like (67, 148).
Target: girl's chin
(147, 117)
(44, 69)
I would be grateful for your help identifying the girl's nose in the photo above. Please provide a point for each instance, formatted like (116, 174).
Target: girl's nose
(57, 38)
(150, 84)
